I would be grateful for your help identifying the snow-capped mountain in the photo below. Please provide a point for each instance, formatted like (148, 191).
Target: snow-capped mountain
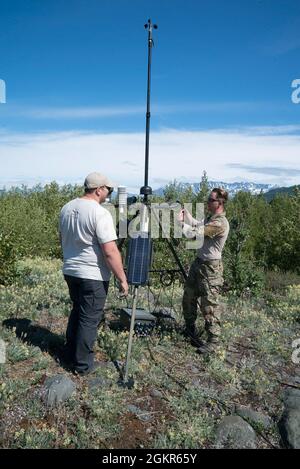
(231, 187)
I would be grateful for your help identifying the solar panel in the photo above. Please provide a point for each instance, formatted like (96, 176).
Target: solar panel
(139, 260)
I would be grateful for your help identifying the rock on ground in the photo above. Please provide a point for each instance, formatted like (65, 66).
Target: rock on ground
(58, 389)
(142, 415)
(253, 416)
(289, 425)
(234, 432)
(156, 393)
(99, 382)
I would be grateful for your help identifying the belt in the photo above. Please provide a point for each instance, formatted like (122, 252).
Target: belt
(209, 262)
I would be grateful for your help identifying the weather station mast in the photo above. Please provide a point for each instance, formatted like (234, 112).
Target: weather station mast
(146, 190)
(139, 251)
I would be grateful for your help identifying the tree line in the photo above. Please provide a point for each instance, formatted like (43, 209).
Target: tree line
(264, 236)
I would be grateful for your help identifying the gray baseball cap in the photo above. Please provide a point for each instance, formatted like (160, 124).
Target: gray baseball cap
(94, 180)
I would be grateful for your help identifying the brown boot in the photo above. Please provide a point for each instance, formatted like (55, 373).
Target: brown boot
(191, 333)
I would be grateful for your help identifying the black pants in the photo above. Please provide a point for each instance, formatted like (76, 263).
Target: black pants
(88, 297)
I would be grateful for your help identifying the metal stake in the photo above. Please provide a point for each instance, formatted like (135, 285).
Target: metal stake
(135, 295)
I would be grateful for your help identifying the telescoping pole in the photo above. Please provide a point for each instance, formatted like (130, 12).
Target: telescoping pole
(140, 250)
(146, 190)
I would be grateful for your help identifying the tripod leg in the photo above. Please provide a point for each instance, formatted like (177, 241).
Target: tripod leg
(170, 244)
(135, 295)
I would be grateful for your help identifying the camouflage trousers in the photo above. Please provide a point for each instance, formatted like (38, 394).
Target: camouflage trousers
(204, 283)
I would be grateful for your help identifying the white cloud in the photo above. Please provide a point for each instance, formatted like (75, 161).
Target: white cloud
(96, 112)
(81, 112)
(227, 155)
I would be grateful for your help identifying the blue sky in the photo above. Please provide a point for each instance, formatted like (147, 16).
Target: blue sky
(75, 74)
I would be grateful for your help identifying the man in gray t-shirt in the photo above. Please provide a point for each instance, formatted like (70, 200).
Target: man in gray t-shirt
(90, 253)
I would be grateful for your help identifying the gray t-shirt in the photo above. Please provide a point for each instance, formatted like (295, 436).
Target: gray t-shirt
(84, 225)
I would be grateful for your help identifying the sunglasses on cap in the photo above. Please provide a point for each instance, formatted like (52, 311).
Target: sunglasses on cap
(110, 190)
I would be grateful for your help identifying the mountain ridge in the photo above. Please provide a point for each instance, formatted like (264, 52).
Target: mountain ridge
(231, 187)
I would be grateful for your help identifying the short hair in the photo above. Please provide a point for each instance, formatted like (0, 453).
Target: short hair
(89, 191)
(221, 193)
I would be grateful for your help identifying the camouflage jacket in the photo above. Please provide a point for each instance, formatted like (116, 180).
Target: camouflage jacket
(214, 230)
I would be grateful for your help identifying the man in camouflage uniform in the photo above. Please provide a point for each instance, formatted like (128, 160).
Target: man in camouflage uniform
(205, 277)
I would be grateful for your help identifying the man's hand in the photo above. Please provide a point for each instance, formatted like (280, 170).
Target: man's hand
(184, 216)
(124, 288)
(180, 217)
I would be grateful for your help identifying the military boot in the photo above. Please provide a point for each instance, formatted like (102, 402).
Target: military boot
(191, 333)
(206, 348)
(210, 346)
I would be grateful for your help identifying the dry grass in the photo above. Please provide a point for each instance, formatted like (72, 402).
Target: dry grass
(181, 396)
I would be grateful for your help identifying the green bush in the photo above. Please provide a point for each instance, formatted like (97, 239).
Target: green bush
(8, 258)
(264, 236)
(278, 281)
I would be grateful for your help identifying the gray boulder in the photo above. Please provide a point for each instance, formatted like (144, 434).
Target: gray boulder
(289, 428)
(233, 432)
(156, 393)
(99, 382)
(58, 389)
(291, 399)
(252, 416)
(289, 425)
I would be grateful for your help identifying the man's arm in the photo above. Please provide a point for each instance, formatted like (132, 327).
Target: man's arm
(210, 229)
(214, 228)
(114, 261)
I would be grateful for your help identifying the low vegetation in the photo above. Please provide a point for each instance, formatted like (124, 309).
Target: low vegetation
(178, 398)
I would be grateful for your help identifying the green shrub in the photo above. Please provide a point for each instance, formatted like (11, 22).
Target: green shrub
(8, 258)
(278, 281)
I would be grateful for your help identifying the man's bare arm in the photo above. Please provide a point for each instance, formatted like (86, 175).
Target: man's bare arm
(114, 262)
